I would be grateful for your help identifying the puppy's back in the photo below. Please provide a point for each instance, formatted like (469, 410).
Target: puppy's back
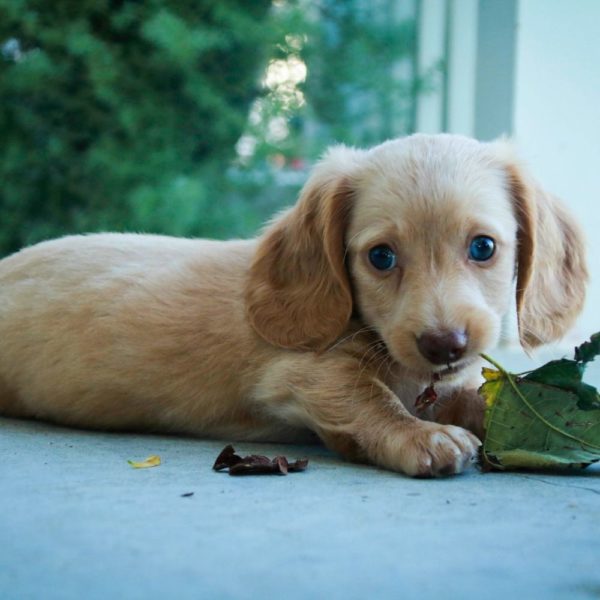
(102, 330)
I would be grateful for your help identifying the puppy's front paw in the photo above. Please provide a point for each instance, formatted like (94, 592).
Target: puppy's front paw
(431, 450)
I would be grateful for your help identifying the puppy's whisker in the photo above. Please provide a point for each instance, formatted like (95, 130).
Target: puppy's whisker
(347, 245)
(351, 337)
(383, 360)
(375, 355)
(367, 358)
(375, 349)
(389, 373)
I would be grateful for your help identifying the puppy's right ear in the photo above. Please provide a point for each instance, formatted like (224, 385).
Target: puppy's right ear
(298, 293)
(551, 267)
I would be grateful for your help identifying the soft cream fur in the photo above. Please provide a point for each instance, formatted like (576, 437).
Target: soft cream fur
(295, 330)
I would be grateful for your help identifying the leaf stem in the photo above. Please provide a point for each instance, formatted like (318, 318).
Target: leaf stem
(493, 362)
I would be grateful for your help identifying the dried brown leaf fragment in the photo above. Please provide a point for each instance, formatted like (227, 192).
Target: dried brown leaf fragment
(256, 464)
(426, 398)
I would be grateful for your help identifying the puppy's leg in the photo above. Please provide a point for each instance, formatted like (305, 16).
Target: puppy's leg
(465, 408)
(358, 416)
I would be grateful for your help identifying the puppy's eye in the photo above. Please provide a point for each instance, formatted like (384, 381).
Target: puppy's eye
(383, 258)
(482, 248)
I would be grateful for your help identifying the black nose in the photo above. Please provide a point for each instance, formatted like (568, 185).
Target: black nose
(442, 347)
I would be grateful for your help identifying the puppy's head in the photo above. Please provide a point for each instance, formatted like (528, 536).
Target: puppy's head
(422, 237)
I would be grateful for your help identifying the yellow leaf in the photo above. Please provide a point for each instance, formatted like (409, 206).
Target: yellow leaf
(491, 374)
(151, 461)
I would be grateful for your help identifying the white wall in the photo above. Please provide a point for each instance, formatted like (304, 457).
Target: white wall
(556, 115)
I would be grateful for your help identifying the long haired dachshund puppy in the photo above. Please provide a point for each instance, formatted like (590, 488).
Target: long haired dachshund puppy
(395, 267)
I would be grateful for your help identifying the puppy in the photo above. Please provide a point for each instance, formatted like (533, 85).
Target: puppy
(395, 267)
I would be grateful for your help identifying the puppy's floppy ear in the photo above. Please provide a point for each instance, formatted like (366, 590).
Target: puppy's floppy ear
(551, 266)
(298, 294)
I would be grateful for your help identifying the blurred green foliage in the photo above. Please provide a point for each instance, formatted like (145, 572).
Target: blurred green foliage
(113, 112)
(360, 58)
(360, 86)
(125, 115)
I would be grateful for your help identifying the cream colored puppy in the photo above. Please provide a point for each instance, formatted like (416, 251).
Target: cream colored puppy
(395, 267)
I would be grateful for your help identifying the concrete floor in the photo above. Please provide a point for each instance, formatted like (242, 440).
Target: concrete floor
(77, 522)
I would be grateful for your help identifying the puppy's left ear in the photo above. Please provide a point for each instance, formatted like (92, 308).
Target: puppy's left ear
(551, 266)
(298, 293)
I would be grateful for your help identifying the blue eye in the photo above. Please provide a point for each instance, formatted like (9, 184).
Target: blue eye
(481, 248)
(383, 258)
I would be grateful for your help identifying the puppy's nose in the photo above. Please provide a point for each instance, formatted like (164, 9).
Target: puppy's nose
(442, 347)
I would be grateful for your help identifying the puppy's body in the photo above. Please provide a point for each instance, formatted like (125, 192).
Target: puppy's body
(296, 331)
(129, 332)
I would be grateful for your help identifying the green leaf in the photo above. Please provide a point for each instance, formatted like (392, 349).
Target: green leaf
(588, 350)
(548, 418)
(566, 374)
